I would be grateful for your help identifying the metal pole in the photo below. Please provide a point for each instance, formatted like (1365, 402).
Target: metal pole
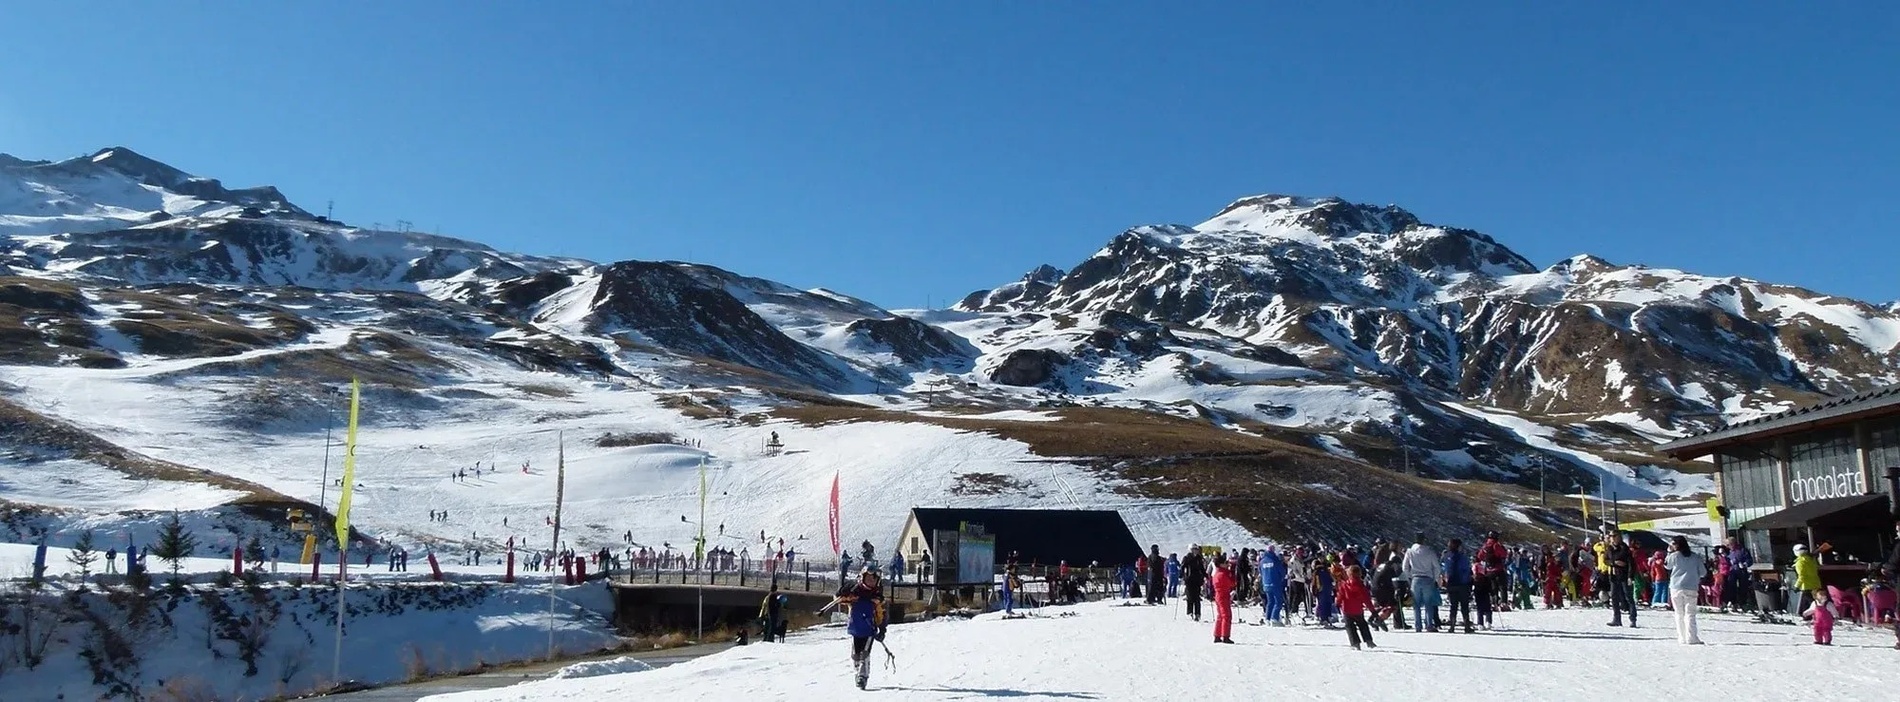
(342, 574)
(560, 486)
(1543, 467)
(323, 491)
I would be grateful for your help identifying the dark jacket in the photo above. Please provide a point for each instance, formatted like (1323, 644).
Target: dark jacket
(1194, 569)
(1383, 591)
(1621, 560)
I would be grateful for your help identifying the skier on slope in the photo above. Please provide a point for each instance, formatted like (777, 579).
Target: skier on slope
(866, 603)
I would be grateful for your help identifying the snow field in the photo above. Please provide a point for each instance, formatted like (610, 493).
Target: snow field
(1112, 652)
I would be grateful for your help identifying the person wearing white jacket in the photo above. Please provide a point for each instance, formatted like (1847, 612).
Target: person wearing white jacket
(1421, 566)
(1685, 579)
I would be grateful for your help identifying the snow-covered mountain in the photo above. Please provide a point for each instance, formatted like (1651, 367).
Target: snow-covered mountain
(1372, 292)
(1293, 366)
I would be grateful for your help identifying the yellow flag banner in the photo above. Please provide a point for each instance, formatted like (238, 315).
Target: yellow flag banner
(1585, 501)
(349, 467)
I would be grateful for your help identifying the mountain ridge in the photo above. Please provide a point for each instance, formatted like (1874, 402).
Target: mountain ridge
(1376, 342)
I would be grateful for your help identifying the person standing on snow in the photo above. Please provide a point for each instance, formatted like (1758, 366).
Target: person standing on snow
(1296, 574)
(897, 567)
(1807, 578)
(1456, 576)
(1622, 564)
(1491, 559)
(1157, 576)
(772, 616)
(1421, 567)
(1385, 592)
(1353, 603)
(1126, 574)
(1174, 576)
(1223, 600)
(1194, 575)
(1891, 570)
(1273, 585)
(1659, 578)
(1735, 580)
(1011, 585)
(1685, 578)
(1323, 581)
(866, 603)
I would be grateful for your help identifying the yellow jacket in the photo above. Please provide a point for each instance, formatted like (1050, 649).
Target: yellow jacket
(1603, 563)
(1807, 573)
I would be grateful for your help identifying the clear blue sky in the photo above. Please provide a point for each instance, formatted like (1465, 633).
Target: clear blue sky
(899, 150)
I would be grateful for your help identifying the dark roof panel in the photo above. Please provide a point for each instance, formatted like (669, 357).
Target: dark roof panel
(1044, 536)
(1883, 398)
(1853, 510)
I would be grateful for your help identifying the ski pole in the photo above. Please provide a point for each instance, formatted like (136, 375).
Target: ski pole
(890, 659)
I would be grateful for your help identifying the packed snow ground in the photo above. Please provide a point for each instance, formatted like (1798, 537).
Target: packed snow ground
(1111, 652)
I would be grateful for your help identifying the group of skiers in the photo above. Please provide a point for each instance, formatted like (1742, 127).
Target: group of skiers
(1457, 588)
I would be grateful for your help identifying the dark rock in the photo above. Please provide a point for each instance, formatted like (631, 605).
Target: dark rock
(1029, 367)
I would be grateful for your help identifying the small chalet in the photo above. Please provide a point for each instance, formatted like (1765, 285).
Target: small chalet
(1045, 536)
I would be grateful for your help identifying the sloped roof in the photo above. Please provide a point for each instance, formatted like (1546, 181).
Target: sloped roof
(1853, 510)
(1044, 536)
(1832, 412)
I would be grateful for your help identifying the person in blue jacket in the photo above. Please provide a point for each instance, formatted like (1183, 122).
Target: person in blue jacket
(1323, 589)
(1127, 575)
(1457, 579)
(866, 603)
(1273, 584)
(1174, 575)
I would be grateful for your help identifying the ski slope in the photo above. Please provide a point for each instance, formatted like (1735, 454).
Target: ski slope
(1112, 652)
(512, 423)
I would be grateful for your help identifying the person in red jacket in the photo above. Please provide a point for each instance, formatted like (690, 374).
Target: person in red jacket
(1553, 580)
(1223, 600)
(1354, 599)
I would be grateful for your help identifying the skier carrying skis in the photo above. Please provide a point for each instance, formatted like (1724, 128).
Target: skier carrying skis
(866, 603)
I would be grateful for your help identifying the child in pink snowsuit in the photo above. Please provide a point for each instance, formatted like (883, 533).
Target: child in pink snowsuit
(1824, 623)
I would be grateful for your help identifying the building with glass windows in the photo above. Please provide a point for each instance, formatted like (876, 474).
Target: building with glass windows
(1820, 474)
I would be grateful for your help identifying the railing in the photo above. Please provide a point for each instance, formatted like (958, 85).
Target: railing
(821, 577)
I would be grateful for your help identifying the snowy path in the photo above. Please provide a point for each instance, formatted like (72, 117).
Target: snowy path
(1108, 652)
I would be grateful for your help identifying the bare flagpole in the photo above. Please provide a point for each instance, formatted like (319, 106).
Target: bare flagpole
(560, 487)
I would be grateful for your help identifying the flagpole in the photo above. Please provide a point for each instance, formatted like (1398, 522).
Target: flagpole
(560, 486)
(699, 633)
(343, 527)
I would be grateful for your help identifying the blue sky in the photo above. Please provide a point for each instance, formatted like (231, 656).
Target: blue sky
(906, 152)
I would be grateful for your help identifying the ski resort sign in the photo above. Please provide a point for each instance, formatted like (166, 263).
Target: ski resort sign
(1833, 483)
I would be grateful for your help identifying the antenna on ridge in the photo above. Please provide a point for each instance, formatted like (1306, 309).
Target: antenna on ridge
(329, 210)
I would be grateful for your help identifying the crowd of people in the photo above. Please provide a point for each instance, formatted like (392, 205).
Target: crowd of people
(1457, 588)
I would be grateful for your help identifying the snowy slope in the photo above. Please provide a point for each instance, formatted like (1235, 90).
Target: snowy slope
(1110, 652)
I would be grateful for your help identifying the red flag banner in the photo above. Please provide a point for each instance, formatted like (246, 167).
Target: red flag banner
(836, 546)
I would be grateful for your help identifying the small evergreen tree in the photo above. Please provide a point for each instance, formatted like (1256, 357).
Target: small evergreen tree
(83, 555)
(254, 553)
(174, 546)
